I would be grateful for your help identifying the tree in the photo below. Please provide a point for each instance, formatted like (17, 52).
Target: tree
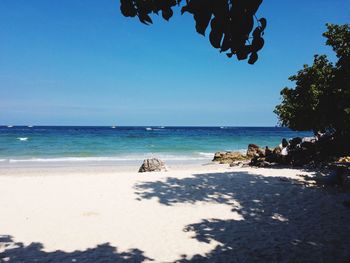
(320, 100)
(231, 21)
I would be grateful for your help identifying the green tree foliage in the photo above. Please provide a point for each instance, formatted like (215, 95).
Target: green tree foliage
(234, 27)
(320, 100)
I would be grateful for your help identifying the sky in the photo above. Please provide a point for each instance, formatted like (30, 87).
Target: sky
(80, 62)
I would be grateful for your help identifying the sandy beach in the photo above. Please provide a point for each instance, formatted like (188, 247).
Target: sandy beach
(202, 213)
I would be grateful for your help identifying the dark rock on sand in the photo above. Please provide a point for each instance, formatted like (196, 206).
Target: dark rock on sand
(152, 165)
(268, 151)
(260, 162)
(284, 142)
(294, 142)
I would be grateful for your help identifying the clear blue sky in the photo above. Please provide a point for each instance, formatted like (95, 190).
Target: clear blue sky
(79, 62)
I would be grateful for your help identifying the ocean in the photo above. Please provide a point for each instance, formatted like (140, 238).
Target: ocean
(123, 145)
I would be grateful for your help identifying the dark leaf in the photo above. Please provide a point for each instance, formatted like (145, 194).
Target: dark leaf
(167, 13)
(263, 23)
(257, 44)
(253, 58)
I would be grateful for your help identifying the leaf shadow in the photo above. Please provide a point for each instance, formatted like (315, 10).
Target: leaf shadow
(284, 220)
(15, 252)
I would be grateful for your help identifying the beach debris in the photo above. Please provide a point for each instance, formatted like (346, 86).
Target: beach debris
(152, 165)
(229, 157)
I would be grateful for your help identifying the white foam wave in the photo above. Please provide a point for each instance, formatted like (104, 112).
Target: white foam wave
(108, 159)
(153, 129)
(242, 151)
(66, 159)
(206, 154)
(22, 138)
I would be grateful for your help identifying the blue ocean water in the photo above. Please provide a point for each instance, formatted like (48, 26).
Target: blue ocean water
(49, 144)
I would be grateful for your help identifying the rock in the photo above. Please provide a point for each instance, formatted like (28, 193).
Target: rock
(293, 143)
(309, 139)
(268, 151)
(284, 143)
(228, 157)
(152, 165)
(273, 156)
(254, 150)
(345, 159)
(259, 162)
(264, 164)
(277, 150)
(234, 164)
(244, 163)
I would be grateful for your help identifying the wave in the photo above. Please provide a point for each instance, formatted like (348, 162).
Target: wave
(206, 154)
(22, 138)
(153, 129)
(112, 159)
(65, 159)
(243, 151)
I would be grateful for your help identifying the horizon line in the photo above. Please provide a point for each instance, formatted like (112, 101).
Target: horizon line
(116, 126)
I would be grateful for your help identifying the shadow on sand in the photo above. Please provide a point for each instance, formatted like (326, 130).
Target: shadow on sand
(283, 219)
(17, 252)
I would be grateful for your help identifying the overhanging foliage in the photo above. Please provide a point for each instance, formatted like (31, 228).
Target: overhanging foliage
(234, 29)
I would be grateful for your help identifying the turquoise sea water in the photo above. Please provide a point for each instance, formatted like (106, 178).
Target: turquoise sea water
(77, 144)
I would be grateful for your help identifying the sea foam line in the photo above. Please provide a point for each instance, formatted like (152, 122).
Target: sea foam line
(108, 159)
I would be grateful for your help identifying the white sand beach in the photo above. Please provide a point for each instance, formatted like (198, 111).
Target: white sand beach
(202, 213)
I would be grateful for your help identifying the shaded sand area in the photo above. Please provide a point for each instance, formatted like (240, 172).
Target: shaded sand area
(195, 214)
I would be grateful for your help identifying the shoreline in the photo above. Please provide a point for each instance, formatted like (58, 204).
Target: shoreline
(59, 168)
(121, 166)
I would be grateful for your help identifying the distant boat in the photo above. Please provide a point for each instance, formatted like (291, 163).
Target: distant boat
(148, 129)
(9, 126)
(23, 138)
(113, 127)
(30, 126)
